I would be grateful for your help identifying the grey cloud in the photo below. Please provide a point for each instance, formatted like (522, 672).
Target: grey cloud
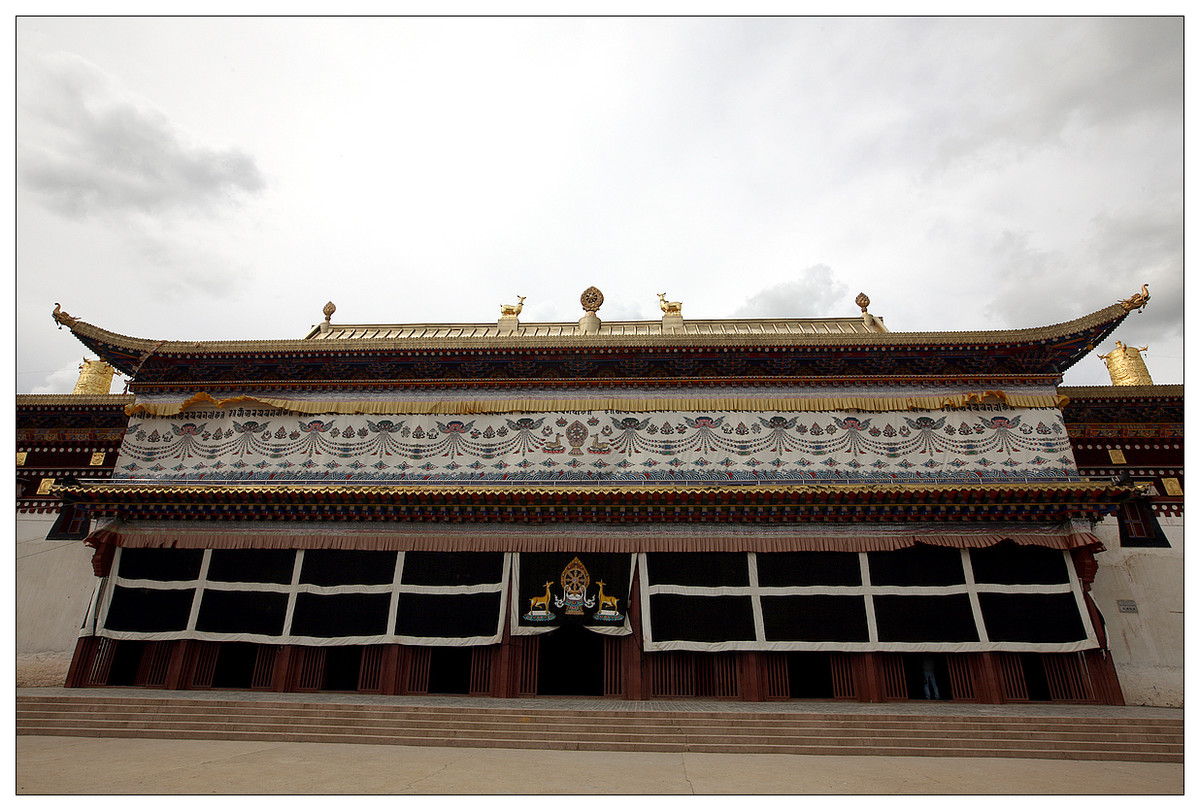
(85, 149)
(1034, 288)
(815, 294)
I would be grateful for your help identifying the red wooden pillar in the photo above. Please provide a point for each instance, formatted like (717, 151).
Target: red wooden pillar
(502, 664)
(750, 678)
(869, 678)
(1103, 674)
(175, 680)
(81, 661)
(281, 678)
(388, 668)
(988, 687)
(632, 656)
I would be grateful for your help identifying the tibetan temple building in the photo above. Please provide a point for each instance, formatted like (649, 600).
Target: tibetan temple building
(756, 509)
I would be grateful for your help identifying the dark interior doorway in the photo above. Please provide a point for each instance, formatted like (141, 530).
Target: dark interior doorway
(341, 668)
(450, 670)
(915, 667)
(809, 675)
(571, 663)
(126, 658)
(1035, 676)
(235, 665)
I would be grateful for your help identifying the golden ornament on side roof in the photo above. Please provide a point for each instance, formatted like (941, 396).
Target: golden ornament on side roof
(1137, 301)
(1126, 367)
(329, 310)
(862, 301)
(61, 318)
(591, 299)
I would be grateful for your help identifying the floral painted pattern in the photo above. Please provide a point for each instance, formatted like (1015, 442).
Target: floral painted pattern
(950, 445)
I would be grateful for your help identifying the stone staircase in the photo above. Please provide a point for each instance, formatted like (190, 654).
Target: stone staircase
(891, 734)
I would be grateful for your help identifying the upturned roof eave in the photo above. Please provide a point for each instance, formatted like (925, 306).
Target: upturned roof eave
(125, 352)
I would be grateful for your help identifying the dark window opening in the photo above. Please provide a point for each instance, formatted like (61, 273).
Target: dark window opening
(927, 677)
(1035, 676)
(341, 668)
(571, 663)
(810, 675)
(72, 524)
(450, 670)
(1139, 526)
(126, 659)
(235, 665)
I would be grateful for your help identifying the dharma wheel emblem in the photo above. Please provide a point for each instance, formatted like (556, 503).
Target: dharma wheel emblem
(575, 581)
(591, 299)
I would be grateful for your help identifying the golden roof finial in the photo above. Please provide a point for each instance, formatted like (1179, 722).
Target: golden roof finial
(669, 307)
(1126, 366)
(329, 310)
(873, 322)
(591, 300)
(512, 310)
(61, 318)
(1137, 301)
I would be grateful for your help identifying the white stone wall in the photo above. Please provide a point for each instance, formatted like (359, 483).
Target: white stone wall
(54, 584)
(1147, 647)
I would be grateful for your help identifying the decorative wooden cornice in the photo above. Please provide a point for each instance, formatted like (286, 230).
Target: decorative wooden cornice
(760, 504)
(1145, 406)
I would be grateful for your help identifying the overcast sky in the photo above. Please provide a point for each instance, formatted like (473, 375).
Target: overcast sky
(213, 178)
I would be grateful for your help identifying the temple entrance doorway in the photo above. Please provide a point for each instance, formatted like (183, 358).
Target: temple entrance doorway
(927, 677)
(809, 675)
(235, 665)
(450, 670)
(571, 663)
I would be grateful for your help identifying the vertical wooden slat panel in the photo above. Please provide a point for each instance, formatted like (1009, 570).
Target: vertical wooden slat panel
(527, 666)
(205, 664)
(264, 667)
(613, 669)
(894, 688)
(841, 667)
(101, 664)
(160, 661)
(370, 669)
(962, 685)
(1067, 678)
(673, 674)
(311, 671)
(1012, 677)
(775, 671)
(717, 675)
(481, 670)
(418, 670)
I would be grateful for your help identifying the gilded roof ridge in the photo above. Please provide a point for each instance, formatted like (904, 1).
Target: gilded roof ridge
(1110, 314)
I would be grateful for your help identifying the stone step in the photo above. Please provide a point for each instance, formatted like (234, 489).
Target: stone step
(186, 719)
(1091, 738)
(617, 740)
(938, 721)
(947, 749)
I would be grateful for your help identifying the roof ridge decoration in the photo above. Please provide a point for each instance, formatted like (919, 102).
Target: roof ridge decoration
(1113, 313)
(1061, 345)
(1137, 301)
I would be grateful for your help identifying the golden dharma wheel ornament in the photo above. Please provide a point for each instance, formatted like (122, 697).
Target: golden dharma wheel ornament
(329, 310)
(862, 301)
(591, 299)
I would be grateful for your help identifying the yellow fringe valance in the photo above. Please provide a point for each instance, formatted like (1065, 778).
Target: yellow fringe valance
(536, 405)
